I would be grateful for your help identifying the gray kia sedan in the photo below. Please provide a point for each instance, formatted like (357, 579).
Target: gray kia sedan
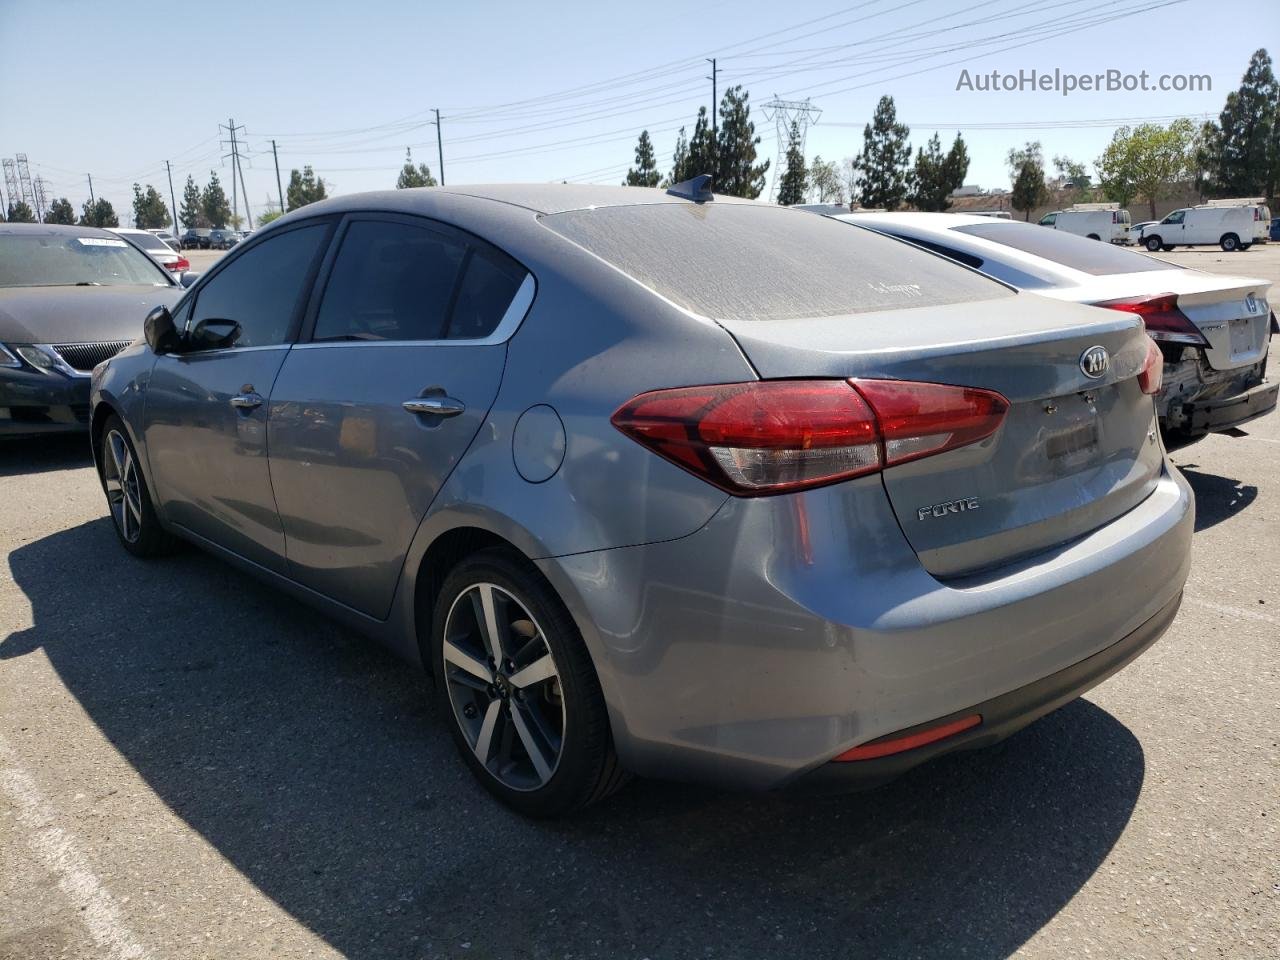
(69, 298)
(653, 484)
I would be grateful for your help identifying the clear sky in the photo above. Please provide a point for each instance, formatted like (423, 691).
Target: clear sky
(560, 90)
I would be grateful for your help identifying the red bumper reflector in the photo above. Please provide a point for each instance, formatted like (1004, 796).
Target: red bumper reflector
(885, 748)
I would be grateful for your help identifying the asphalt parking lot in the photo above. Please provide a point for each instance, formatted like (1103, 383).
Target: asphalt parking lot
(192, 765)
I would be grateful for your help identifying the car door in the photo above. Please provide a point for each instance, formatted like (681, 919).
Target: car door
(1173, 229)
(206, 410)
(403, 359)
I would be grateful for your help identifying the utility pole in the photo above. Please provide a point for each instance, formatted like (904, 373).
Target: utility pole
(440, 145)
(276, 157)
(91, 199)
(715, 136)
(234, 157)
(235, 207)
(248, 214)
(172, 204)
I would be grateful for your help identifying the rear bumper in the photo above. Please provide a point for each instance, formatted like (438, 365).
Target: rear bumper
(1002, 716)
(790, 629)
(1223, 413)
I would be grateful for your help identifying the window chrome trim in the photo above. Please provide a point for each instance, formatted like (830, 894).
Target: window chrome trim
(517, 310)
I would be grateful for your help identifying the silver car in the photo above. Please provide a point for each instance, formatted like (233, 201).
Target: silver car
(662, 484)
(1213, 330)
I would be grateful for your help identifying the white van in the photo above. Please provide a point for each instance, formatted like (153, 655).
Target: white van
(1231, 224)
(1097, 221)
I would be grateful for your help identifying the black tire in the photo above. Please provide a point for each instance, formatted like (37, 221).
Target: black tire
(1152, 244)
(139, 531)
(1229, 242)
(586, 768)
(1244, 246)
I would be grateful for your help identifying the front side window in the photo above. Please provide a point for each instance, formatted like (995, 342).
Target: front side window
(39, 259)
(260, 289)
(1175, 217)
(1048, 219)
(393, 280)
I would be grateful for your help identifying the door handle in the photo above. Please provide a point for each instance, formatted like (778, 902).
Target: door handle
(246, 401)
(435, 406)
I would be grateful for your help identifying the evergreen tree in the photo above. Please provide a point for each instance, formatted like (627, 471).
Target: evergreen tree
(410, 176)
(149, 209)
(1243, 148)
(213, 203)
(98, 213)
(645, 172)
(736, 173)
(794, 182)
(937, 175)
(304, 188)
(679, 161)
(191, 210)
(61, 211)
(955, 166)
(702, 148)
(21, 212)
(884, 166)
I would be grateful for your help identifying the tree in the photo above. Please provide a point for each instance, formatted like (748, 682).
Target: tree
(1142, 162)
(410, 176)
(191, 210)
(794, 182)
(702, 147)
(1241, 153)
(679, 160)
(938, 175)
(645, 172)
(149, 209)
(213, 203)
(737, 174)
(1027, 169)
(825, 182)
(21, 212)
(268, 217)
(61, 211)
(98, 213)
(884, 165)
(304, 188)
(1072, 172)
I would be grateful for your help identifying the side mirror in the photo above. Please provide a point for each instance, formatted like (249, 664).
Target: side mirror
(188, 278)
(160, 333)
(213, 333)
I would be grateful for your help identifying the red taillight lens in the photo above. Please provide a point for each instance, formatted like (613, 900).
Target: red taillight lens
(888, 746)
(1151, 376)
(773, 436)
(1163, 318)
(180, 264)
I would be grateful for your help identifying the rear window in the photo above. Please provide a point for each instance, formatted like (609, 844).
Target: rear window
(148, 241)
(1079, 253)
(737, 261)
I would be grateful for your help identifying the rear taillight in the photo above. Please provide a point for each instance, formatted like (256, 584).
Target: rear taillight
(182, 263)
(1151, 376)
(773, 436)
(1164, 320)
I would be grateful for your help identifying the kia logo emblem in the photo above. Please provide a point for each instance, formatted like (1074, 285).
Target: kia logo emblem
(1094, 362)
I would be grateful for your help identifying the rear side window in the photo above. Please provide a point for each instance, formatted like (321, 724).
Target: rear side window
(400, 281)
(737, 261)
(260, 288)
(1078, 253)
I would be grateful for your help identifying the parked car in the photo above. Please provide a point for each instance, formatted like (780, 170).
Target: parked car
(1135, 231)
(1274, 233)
(1096, 221)
(70, 297)
(170, 240)
(1235, 227)
(154, 247)
(1213, 331)
(223, 239)
(880, 508)
(196, 238)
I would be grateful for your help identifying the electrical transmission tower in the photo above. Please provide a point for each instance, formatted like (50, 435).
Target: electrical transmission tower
(11, 181)
(38, 186)
(24, 182)
(785, 114)
(237, 145)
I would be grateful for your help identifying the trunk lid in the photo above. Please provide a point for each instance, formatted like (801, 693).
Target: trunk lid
(1073, 453)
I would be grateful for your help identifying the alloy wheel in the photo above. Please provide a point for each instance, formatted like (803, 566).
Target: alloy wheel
(504, 686)
(120, 474)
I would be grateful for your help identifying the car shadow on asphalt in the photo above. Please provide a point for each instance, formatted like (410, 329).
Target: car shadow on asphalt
(28, 455)
(1218, 498)
(317, 766)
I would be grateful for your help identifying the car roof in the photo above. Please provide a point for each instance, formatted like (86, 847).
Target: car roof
(53, 230)
(127, 230)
